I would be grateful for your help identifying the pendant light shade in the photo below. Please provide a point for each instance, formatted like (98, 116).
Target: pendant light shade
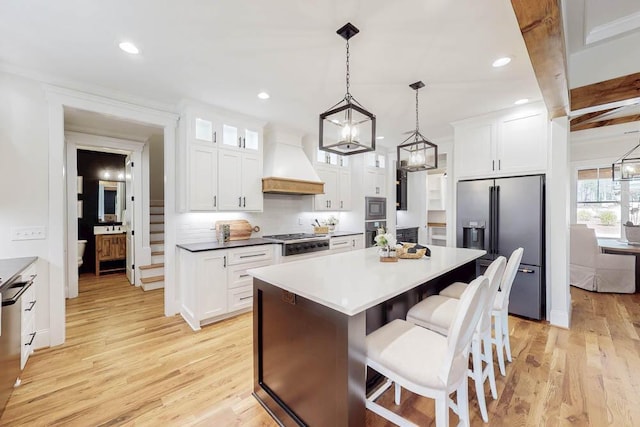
(627, 167)
(347, 127)
(417, 153)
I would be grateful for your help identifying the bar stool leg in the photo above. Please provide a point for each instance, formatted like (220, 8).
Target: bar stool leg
(498, 336)
(476, 354)
(505, 331)
(488, 358)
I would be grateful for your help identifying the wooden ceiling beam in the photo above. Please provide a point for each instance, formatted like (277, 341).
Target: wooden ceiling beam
(606, 92)
(589, 116)
(606, 122)
(540, 23)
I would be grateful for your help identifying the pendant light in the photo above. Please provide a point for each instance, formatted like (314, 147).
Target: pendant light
(627, 167)
(347, 127)
(417, 153)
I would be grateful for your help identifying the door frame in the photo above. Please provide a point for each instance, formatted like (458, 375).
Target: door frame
(58, 98)
(79, 140)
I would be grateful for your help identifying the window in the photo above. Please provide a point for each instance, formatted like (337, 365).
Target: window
(598, 201)
(604, 204)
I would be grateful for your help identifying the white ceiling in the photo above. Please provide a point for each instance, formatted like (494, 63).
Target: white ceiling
(224, 52)
(602, 39)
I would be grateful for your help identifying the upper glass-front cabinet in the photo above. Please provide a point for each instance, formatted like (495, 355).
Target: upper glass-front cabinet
(331, 158)
(375, 160)
(240, 138)
(251, 140)
(204, 130)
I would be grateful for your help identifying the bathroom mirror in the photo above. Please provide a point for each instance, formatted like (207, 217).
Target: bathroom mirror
(111, 196)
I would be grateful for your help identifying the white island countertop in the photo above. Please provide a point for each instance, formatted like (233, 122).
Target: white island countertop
(351, 282)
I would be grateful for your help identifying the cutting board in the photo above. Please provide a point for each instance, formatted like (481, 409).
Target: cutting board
(240, 228)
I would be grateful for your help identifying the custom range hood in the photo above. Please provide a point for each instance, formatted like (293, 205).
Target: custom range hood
(287, 170)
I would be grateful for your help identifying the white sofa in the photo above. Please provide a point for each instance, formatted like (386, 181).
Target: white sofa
(595, 271)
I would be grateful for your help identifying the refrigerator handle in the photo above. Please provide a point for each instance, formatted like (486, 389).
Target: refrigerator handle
(496, 219)
(491, 212)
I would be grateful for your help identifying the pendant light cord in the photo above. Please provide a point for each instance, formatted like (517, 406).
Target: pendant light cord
(417, 122)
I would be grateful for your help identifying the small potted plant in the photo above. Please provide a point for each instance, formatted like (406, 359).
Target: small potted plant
(331, 222)
(387, 243)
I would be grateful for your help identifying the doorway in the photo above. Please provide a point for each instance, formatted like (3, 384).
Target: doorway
(61, 99)
(95, 172)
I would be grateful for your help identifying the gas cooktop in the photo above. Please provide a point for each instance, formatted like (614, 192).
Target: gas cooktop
(300, 243)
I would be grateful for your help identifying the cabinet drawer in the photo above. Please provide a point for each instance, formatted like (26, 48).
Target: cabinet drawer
(240, 298)
(237, 274)
(27, 339)
(250, 254)
(28, 304)
(340, 242)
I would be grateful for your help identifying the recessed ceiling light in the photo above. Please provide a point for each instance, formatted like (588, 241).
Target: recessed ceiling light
(129, 48)
(380, 137)
(501, 62)
(521, 101)
(264, 95)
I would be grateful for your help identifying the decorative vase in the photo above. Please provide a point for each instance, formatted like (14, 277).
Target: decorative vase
(332, 228)
(385, 254)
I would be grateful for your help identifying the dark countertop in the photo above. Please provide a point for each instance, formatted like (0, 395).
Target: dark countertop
(344, 233)
(406, 227)
(212, 246)
(10, 269)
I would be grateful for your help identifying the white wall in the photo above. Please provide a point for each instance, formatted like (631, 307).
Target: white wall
(24, 173)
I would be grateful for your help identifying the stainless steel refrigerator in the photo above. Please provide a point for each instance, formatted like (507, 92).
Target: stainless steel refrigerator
(500, 215)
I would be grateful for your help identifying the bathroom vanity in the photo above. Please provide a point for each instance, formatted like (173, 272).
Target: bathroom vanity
(110, 247)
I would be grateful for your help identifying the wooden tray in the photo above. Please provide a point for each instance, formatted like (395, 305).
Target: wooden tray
(240, 229)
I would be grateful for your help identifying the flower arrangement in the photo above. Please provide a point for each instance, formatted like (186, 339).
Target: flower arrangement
(332, 220)
(385, 240)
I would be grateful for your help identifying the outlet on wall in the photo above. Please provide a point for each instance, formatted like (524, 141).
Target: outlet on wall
(299, 220)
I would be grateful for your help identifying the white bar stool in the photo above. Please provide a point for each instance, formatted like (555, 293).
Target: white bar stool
(435, 313)
(426, 362)
(500, 311)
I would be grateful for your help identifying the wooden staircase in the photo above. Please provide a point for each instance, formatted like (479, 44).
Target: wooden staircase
(152, 275)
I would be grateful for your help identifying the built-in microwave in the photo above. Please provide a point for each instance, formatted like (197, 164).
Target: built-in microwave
(375, 209)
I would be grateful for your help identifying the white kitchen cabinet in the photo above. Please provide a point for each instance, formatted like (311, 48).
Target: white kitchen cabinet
(337, 189)
(509, 143)
(375, 175)
(344, 190)
(346, 243)
(203, 281)
(203, 178)
(240, 137)
(215, 285)
(205, 134)
(324, 158)
(522, 144)
(375, 182)
(205, 128)
(240, 177)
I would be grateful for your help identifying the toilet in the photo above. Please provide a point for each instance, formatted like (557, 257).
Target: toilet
(81, 245)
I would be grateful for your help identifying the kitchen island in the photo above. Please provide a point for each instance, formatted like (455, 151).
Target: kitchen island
(311, 318)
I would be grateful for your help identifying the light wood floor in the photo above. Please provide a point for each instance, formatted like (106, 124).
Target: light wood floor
(124, 363)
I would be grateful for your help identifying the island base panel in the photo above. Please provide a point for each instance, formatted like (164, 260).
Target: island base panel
(309, 360)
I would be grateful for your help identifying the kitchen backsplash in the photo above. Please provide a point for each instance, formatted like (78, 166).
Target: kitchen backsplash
(282, 214)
